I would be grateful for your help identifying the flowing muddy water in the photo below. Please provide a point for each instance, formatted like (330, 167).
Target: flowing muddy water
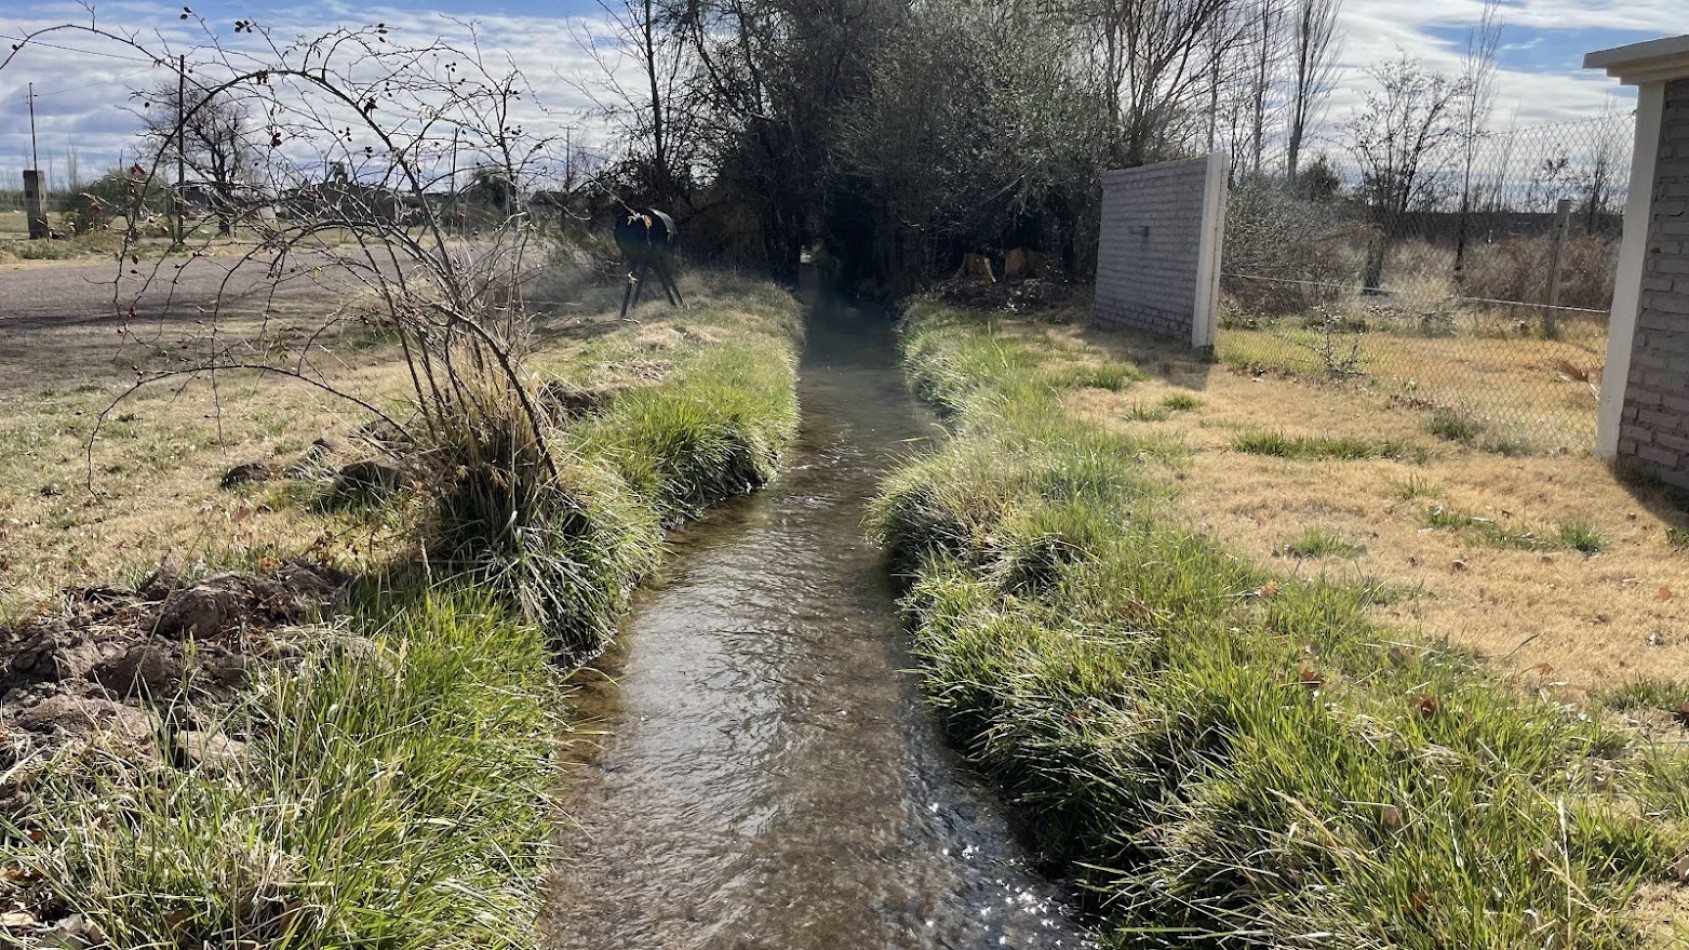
(768, 777)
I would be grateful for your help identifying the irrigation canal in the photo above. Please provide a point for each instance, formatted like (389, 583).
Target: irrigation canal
(768, 777)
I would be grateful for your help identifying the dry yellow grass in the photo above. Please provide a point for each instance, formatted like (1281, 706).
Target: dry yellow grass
(159, 459)
(155, 469)
(1498, 371)
(1555, 616)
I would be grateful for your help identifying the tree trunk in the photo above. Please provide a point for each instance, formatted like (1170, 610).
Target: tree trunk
(1376, 250)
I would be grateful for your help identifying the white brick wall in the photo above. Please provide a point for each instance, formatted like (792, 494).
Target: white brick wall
(1150, 268)
(1654, 427)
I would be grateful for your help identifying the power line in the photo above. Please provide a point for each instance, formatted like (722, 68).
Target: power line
(100, 82)
(85, 52)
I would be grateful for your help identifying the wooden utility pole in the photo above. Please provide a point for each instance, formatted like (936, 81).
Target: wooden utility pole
(1562, 218)
(34, 155)
(181, 202)
(34, 189)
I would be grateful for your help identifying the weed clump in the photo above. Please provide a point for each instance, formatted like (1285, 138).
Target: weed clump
(1578, 534)
(1317, 448)
(1454, 427)
(1317, 542)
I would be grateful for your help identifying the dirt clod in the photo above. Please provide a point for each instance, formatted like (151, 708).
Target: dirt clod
(369, 479)
(318, 459)
(565, 403)
(384, 434)
(81, 716)
(228, 602)
(245, 473)
(211, 750)
(164, 578)
(147, 668)
(95, 663)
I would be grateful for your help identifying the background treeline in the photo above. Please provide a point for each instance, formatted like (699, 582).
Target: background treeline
(898, 134)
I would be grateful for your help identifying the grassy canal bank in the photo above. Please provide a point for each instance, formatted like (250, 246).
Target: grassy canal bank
(372, 765)
(1225, 753)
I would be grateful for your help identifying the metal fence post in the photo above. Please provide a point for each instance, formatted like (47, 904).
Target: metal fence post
(1562, 218)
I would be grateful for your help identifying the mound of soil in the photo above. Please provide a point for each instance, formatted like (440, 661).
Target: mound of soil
(564, 403)
(246, 472)
(89, 670)
(1030, 295)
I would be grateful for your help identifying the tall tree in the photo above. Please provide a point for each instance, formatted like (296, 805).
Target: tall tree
(775, 77)
(655, 111)
(1402, 138)
(1315, 45)
(1150, 62)
(216, 138)
(1477, 78)
(1265, 47)
(1010, 163)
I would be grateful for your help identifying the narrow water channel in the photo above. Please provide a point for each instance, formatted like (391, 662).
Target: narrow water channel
(768, 777)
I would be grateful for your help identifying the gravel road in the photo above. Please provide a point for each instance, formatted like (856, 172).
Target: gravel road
(64, 295)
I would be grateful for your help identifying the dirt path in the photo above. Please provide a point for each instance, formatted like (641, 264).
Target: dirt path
(181, 289)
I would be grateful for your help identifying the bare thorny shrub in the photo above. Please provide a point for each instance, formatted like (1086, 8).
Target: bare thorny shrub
(356, 145)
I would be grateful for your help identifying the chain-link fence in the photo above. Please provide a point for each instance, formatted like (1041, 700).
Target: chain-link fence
(1474, 285)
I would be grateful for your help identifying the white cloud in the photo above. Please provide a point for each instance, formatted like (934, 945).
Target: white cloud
(84, 83)
(1379, 30)
(84, 94)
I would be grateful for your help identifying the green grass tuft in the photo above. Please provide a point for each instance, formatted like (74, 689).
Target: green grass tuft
(1142, 413)
(1181, 402)
(1484, 530)
(1644, 694)
(1454, 426)
(1317, 542)
(1315, 448)
(1577, 534)
(1412, 487)
(1580, 534)
(1111, 376)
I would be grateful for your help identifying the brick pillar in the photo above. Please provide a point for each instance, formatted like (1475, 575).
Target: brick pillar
(1654, 425)
(35, 205)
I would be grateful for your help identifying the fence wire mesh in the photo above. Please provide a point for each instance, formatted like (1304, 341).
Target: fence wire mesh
(1475, 286)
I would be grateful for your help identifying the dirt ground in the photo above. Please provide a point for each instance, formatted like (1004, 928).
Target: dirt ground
(72, 514)
(1505, 585)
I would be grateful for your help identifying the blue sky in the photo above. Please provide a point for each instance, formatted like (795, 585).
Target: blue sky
(84, 94)
(1535, 49)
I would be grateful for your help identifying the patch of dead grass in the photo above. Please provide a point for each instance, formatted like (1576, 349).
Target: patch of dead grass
(1556, 618)
(160, 457)
(1519, 388)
